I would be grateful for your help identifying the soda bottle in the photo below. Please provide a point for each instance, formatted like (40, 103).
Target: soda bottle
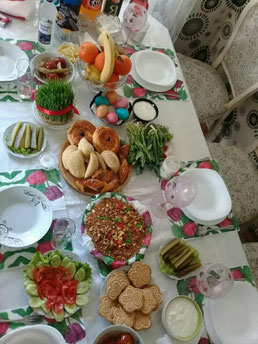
(91, 8)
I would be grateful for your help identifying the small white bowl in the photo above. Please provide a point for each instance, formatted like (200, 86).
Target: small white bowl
(199, 324)
(117, 330)
(50, 56)
(156, 68)
(212, 202)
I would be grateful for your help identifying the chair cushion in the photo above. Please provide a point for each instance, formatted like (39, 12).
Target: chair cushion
(241, 178)
(251, 251)
(207, 89)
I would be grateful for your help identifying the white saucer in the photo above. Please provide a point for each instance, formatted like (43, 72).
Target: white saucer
(209, 324)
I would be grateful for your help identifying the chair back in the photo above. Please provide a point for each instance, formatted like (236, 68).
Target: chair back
(239, 58)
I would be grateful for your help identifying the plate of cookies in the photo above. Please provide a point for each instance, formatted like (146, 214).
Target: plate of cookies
(92, 160)
(117, 230)
(129, 297)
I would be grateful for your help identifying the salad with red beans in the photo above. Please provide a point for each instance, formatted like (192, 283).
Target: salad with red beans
(56, 284)
(53, 69)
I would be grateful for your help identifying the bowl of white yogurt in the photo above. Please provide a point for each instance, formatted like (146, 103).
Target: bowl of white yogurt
(145, 110)
(182, 318)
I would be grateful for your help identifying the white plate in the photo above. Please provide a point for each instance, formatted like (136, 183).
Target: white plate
(40, 334)
(25, 215)
(208, 322)
(205, 223)
(212, 202)
(155, 68)
(143, 83)
(9, 55)
(7, 133)
(48, 125)
(235, 316)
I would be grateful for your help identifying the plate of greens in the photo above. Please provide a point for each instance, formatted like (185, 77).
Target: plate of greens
(24, 140)
(57, 285)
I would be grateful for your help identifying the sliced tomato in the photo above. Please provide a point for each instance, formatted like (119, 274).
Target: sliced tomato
(50, 302)
(69, 293)
(59, 304)
(61, 60)
(51, 64)
(35, 274)
(67, 278)
(40, 292)
(45, 272)
(59, 273)
(53, 76)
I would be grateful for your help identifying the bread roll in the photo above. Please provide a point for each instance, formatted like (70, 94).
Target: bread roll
(106, 139)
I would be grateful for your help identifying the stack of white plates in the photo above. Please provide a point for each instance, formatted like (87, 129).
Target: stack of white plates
(233, 318)
(212, 202)
(153, 70)
(9, 56)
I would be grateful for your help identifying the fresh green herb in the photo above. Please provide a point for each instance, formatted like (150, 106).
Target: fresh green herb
(146, 145)
(106, 218)
(116, 219)
(99, 217)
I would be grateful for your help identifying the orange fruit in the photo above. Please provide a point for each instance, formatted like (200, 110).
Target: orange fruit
(122, 67)
(111, 83)
(88, 52)
(100, 61)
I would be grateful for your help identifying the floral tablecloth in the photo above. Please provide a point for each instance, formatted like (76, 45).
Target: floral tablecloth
(48, 182)
(8, 91)
(189, 288)
(182, 226)
(134, 90)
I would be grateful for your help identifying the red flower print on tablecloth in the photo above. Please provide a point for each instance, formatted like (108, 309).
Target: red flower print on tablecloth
(129, 79)
(74, 334)
(203, 341)
(193, 286)
(226, 222)
(178, 84)
(1, 257)
(237, 274)
(189, 228)
(44, 247)
(36, 178)
(26, 46)
(205, 164)
(117, 264)
(175, 213)
(4, 328)
(128, 50)
(53, 193)
(139, 91)
(147, 239)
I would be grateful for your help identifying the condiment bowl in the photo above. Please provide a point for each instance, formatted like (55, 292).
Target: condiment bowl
(148, 101)
(199, 321)
(35, 63)
(117, 330)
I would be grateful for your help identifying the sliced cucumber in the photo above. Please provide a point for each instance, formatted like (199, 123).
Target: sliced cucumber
(72, 268)
(14, 134)
(26, 282)
(35, 302)
(44, 308)
(29, 273)
(41, 264)
(80, 275)
(83, 287)
(55, 261)
(82, 300)
(32, 289)
(59, 316)
(65, 261)
(70, 308)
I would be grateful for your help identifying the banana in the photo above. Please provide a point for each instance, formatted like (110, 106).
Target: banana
(107, 42)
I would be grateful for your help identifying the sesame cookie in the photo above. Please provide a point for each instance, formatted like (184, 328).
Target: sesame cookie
(105, 307)
(139, 274)
(141, 321)
(115, 285)
(149, 302)
(120, 317)
(131, 299)
(156, 293)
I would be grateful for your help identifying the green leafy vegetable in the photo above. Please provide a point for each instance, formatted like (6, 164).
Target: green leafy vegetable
(147, 145)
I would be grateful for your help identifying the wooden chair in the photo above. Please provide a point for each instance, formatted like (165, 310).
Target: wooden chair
(241, 178)
(239, 59)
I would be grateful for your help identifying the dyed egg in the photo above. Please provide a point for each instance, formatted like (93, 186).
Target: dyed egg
(122, 114)
(112, 97)
(122, 103)
(102, 111)
(101, 101)
(112, 118)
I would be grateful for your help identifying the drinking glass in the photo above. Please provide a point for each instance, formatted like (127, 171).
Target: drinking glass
(134, 18)
(63, 231)
(179, 192)
(214, 280)
(24, 81)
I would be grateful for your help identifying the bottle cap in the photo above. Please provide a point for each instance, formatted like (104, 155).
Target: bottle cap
(73, 2)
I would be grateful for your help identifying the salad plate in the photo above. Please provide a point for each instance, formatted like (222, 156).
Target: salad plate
(25, 216)
(235, 315)
(208, 322)
(57, 284)
(6, 136)
(145, 84)
(9, 56)
(40, 334)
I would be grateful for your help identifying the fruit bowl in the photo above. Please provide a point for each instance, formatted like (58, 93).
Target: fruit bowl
(95, 84)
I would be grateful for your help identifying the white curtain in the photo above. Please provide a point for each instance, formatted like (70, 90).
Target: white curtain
(171, 13)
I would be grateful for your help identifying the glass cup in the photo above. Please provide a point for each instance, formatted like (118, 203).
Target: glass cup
(24, 81)
(214, 280)
(63, 231)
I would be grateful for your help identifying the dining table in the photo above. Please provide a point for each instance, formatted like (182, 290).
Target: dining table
(188, 144)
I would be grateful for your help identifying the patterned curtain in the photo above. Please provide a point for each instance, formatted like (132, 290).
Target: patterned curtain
(203, 37)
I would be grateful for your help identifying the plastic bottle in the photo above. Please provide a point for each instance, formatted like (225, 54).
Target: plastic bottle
(91, 8)
(47, 18)
(73, 5)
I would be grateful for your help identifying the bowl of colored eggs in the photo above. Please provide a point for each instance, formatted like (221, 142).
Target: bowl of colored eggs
(111, 108)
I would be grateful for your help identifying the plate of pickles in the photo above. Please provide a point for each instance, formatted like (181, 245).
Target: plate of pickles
(24, 140)
(178, 259)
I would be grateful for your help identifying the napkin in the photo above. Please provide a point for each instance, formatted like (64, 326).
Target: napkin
(20, 9)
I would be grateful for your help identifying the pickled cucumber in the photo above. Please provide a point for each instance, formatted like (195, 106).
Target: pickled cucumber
(83, 287)
(27, 136)
(35, 302)
(14, 134)
(55, 261)
(82, 300)
(40, 139)
(80, 275)
(20, 137)
(33, 143)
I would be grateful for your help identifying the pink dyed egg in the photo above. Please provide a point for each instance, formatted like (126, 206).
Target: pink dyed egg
(112, 118)
(102, 111)
(122, 103)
